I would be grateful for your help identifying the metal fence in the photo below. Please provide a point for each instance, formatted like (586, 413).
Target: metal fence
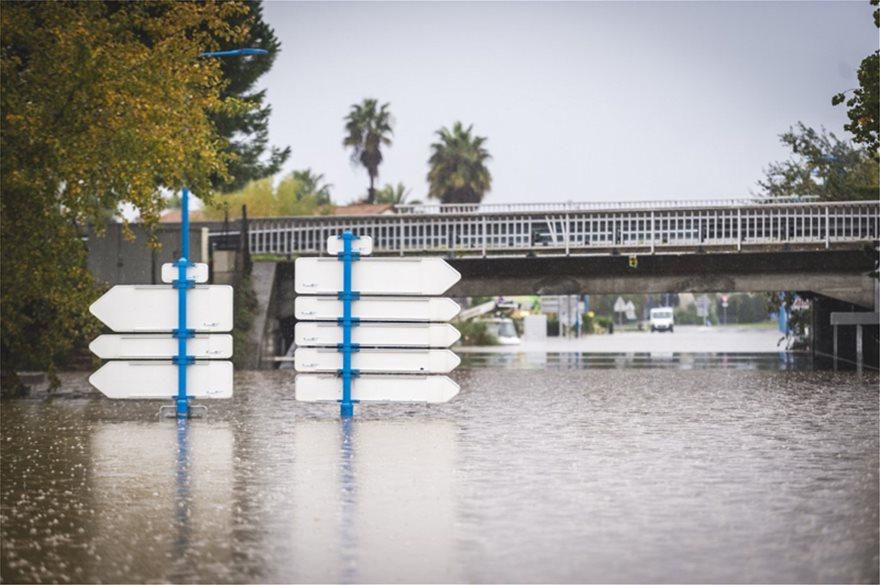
(565, 206)
(580, 231)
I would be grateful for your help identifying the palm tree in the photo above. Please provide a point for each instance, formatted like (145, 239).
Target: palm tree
(395, 195)
(312, 184)
(369, 128)
(458, 172)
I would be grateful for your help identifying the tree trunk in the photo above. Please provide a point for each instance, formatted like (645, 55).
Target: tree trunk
(371, 192)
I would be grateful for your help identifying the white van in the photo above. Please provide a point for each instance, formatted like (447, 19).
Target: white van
(662, 320)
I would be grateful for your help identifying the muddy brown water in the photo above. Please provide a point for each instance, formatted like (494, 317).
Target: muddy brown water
(747, 469)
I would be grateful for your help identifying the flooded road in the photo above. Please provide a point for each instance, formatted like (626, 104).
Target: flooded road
(687, 338)
(744, 470)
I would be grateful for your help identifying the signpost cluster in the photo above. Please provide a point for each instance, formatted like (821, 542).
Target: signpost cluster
(373, 329)
(172, 340)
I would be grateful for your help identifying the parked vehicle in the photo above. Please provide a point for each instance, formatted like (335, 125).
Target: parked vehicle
(503, 329)
(662, 319)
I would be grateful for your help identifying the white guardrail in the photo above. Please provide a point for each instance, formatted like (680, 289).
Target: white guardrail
(579, 230)
(444, 208)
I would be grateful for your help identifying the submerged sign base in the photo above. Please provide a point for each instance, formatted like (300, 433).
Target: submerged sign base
(377, 388)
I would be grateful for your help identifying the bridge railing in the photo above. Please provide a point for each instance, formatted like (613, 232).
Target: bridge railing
(562, 206)
(580, 231)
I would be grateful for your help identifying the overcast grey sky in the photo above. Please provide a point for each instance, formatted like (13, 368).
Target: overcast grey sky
(579, 101)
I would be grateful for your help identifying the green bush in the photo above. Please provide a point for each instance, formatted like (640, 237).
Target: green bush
(245, 309)
(475, 333)
(604, 322)
(588, 323)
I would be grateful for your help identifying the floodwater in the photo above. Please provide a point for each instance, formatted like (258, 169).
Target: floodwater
(701, 469)
(686, 339)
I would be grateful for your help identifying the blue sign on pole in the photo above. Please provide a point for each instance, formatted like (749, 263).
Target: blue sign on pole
(347, 295)
(182, 284)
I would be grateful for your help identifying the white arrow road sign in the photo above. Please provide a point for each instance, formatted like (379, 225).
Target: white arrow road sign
(377, 388)
(378, 308)
(378, 334)
(129, 346)
(197, 272)
(142, 308)
(147, 380)
(427, 361)
(362, 245)
(376, 276)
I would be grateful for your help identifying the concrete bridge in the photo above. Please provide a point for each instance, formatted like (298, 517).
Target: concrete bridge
(653, 247)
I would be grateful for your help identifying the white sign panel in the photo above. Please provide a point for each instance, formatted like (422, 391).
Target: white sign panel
(378, 308)
(197, 272)
(152, 380)
(362, 245)
(377, 388)
(143, 308)
(428, 361)
(550, 304)
(378, 334)
(702, 306)
(376, 276)
(160, 345)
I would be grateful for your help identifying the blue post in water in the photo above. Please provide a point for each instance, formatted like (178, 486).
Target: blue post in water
(347, 256)
(182, 284)
(783, 319)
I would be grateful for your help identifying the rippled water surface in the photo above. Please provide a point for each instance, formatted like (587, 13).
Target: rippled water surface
(574, 473)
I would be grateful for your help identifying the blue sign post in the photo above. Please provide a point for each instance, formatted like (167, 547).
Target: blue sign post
(783, 319)
(182, 284)
(347, 257)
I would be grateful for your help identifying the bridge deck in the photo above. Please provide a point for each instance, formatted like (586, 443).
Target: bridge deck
(757, 226)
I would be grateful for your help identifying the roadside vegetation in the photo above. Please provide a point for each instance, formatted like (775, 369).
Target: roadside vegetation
(105, 104)
(475, 333)
(300, 193)
(829, 167)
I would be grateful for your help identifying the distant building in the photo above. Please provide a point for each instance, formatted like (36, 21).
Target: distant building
(173, 215)
(364, 209)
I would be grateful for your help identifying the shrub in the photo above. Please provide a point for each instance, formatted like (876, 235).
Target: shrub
(475, 333)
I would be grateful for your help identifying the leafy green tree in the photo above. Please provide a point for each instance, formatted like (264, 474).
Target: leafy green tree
(312, 185)
(864, 103)
(822, 165)
(395, 195)
(368, 128)
(458, 172)
(300, 193)
(246, 130)
(101, 105)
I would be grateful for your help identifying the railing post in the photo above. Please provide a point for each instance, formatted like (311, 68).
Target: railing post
(401, 236)
(827, 229)
(739, 230)
(565, 233)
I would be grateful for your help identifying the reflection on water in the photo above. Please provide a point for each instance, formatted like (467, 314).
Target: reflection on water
(675, 360)
(140, 499)
(699, 471)
(371, 497)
